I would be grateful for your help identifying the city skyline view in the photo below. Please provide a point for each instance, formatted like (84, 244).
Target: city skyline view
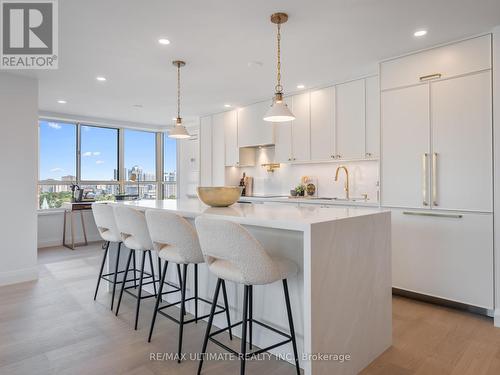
(99, 152)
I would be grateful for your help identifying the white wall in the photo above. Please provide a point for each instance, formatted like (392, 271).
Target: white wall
(19, 157)
(189, 164)
(496, 166)
(50, 228)
(363, 177)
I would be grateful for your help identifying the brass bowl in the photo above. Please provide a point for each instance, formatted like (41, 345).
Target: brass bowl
(219, 196)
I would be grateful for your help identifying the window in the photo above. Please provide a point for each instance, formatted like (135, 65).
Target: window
(92, 156)
(99, 153)
(169, 167)
(140, 155)
(57, 145)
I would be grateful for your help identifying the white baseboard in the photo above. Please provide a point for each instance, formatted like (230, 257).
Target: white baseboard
(18, 276)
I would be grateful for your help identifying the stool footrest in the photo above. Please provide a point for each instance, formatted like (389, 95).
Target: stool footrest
(256, 352)
(222, 309)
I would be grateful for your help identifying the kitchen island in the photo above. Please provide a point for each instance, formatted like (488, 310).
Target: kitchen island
(341, 297)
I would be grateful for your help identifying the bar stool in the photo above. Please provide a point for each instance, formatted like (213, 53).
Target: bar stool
(134, 234)
(106, 225)
(176, 241)
(233, 254)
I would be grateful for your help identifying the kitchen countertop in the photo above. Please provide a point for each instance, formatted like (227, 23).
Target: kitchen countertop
(333, 202)
(289, 217)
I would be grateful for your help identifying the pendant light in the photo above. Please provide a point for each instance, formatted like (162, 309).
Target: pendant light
(178, 131)
(279, 111)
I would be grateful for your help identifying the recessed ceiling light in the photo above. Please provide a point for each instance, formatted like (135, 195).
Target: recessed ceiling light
(420, 33)
(62, 101)
(137, 105)
(164, 41)
(227, 105)
(300, 86)
(101, 78)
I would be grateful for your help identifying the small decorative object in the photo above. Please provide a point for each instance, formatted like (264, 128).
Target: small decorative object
(219, 196)
(293, 193)
(310, 189)
(299, 189)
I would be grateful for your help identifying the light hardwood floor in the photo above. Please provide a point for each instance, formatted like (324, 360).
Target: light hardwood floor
(53, 326)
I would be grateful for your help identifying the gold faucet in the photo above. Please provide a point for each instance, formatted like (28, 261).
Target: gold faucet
(346, 185)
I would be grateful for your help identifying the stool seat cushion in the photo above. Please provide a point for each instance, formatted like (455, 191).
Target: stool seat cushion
(133, 228)
(228, 271)
(105, 221)
(108, 235)
(176, 255)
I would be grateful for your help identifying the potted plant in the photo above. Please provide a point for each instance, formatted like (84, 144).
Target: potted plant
(299, 189)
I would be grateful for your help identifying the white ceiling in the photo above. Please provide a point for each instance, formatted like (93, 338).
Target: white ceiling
(324, 41)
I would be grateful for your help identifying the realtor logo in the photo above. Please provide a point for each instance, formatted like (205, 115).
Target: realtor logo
(28, 34)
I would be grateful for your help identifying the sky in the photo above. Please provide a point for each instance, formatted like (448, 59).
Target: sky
(99, 151)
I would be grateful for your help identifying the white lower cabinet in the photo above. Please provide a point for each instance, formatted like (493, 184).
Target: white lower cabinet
(444, 254)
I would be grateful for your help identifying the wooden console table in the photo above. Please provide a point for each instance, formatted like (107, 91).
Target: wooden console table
(71, 208)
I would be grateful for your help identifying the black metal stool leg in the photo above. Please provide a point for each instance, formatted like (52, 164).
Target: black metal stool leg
(196, 293)
(209, 325)
(125, 274)
(250, 315)
(290, 322)
(158, 299)
(179, 275)
(135, 274)
(102, 268)
(139, 292)
(152, 270)
(226, 304)
(183, 310)
(244, 331)
(117, 264)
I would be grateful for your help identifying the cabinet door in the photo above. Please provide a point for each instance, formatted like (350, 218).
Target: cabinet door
(322, 124)
(206, 151)
(462, 143)
(252, 129)
(405, 144)
(283, 145)
(446, 257)
(350, 120)
(218, 150)
(372, 126)
(231, 138)
(301, 130)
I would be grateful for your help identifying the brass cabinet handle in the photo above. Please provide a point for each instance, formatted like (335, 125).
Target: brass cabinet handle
(432, 214)
(430, 76)
(434, 179)
(425, 202)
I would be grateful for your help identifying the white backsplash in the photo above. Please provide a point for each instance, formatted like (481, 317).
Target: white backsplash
(363, 177)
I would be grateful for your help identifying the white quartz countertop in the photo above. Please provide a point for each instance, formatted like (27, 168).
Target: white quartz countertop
(304, 200)
(285, 216)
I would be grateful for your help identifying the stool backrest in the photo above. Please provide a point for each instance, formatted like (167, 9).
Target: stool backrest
(105, 220)
(169, 230)
(133, 228)
(229, 241)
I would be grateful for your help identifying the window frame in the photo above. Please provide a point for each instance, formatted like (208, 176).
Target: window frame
(121, 182)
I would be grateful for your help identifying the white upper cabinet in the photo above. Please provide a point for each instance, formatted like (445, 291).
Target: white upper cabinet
(301, 128)
(206, 151)
(322, 124)
(283, 145)
(218, 150)
(461, 121)
(448, 61)
(406, 148)
(372, 126)
(252, 129)
(230, 121)
(350, 120)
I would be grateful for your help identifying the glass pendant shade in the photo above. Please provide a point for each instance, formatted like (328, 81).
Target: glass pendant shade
(279, 112)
